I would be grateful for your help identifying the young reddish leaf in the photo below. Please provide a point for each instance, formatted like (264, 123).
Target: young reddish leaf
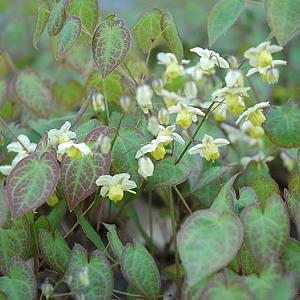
(32, 182)
(42, 16)
(111, 43)
(79, 176)
(32, 93)
(3, 91)
(57, 17)
(68, 36)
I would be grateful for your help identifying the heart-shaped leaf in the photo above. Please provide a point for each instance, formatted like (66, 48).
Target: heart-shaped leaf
(91, 278)
(266, 230)
(171, 35)
(42, 16)
(167, 173)
(207, 242)
(19, 282)
(3, 91)
(222, 16)
(32, 182)
(291, 257)
(14, 242)
(247, 197)
(282, 125)
(32, 93)
(68, 36)
(111, 43)
(283, 18)
(147, 31)
(86, 10)
(79, 176)
(54, 250)
(140, 270)
(57, 17)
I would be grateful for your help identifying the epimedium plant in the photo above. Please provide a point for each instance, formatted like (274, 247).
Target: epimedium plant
(193, 138)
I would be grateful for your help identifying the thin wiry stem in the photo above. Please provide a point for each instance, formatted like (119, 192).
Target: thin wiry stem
(183, 200)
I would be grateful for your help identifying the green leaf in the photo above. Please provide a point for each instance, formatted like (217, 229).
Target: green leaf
(282, 125)
(291, 257)
(86, 10)
(147, 31)
(140, 270)
(114, 240)
(57, 17)
(129, 140)
(284, 289)
(14, 242)
(283, 18)
(111, 43)
(171, 35)
(68, 36)
(4, 207)
(167, 173)
(222, 16)
(79, 176)
(32, 93)
(266, 230)
(42, 16)
(207, 242)
(32, 182)
(3, 91)
(89, 278)
(57, 214)
(247, 197)
(19, 282)
(54, 250)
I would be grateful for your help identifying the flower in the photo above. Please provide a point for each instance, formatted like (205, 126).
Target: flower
(163, 116)
(170, 132)
(190, 90)
(209, 59)
(105, 143)
(195, 72)
(155, 148)
(209, 147)
(186, 114)
(146, 167)
(144, 95)
(260, 156)
(157, 85)
(171, 98)
(254, 131)
(73, 150)
(125, 103)
(234, 78)
(98, 102)
(233, 97)
(219, 112)
(18, 147)
(115, 186)
(254, 114)
(62, 135)
(153, 125)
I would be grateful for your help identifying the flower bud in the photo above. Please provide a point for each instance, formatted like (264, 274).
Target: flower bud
(125, 103)
(153, 125)
(190, 89)
(146, 167)
(98, 102)
(163, 116)
(143, 96)
(271, 75)
(157, 85)
(47, 289)
(233, 64)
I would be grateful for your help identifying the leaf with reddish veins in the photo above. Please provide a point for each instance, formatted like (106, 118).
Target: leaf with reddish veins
(79, 176)
(31, 182)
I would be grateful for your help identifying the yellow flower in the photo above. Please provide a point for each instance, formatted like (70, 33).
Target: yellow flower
(73, 150)
(62, 135)
(254, 131)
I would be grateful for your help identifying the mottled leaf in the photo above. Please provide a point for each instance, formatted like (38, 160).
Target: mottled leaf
(291, 257)
(4, 207)
(247, 197)
(32, 182)
(111, 43)
(57, 17)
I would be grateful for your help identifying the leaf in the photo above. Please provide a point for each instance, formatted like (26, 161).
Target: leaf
(68, 36)
(54, 250)
(57, 18)
(147, 31)
(86, 10)
(171, 35)
(167, 173)
(283, 18)
(266, 230)
(57, 214)
(207, 242)
(14, 242)
(114, 240)
(32, 182)
(19, 282)
(111, 43)
(129, 140)
(285, 289)
(247, 197)
(282, 125)
(291, 257)
(222, 16)
(4, 208)
(42, 16)
(79, 176)
(140, 270)
(3, 91)
(99, 282)
(32, 93)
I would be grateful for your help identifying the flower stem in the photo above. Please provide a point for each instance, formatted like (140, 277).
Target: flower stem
(182, 199)
(195, 133)
(150, 220)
